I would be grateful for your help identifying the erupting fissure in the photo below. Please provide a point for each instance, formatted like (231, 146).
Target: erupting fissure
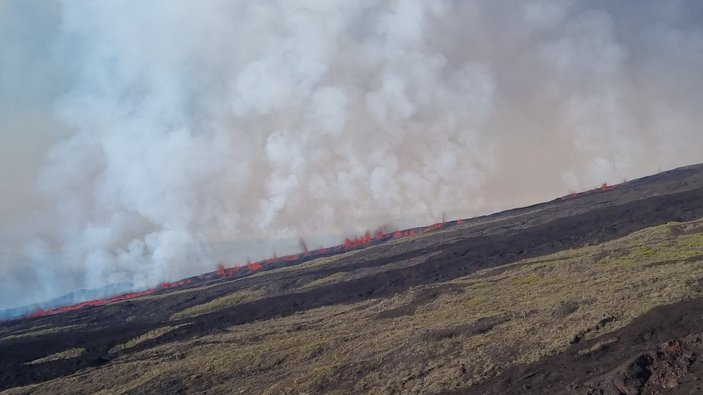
(251, 267)
(362, 241)
(603, 188)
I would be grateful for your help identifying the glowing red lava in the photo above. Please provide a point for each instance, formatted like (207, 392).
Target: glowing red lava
(368, 238)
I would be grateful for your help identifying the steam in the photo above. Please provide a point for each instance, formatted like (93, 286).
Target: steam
(195, 124)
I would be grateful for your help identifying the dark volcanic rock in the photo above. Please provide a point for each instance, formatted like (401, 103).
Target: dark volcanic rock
(656, 353)
(484, 242)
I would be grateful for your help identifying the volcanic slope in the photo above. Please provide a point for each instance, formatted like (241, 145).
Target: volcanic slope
(600, 292)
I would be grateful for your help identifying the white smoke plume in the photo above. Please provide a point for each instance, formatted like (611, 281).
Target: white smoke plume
(197, 124)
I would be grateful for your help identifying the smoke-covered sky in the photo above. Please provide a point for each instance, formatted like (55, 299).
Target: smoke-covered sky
(145, 141)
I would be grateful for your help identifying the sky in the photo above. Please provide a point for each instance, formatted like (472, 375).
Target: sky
(148, 141)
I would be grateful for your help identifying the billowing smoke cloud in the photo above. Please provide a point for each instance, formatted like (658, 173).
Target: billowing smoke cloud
(198, 125)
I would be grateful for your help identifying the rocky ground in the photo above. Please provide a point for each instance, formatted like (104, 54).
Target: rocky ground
(596, 293)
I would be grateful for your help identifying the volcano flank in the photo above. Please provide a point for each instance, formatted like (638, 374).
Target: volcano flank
(593, 293)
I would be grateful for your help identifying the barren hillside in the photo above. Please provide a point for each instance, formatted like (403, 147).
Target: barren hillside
(600, 291)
